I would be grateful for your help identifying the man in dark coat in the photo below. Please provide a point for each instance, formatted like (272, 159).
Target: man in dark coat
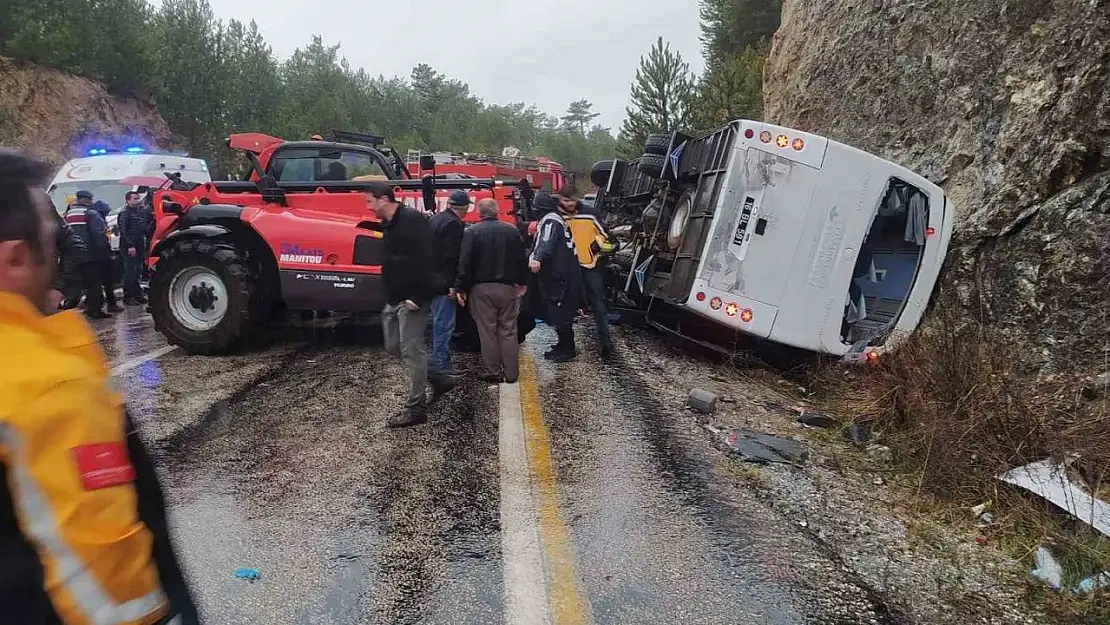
(108, 274)
(492, 279)
(560, 277)
(410, 283)
(89, 228)
(67, 275)
(447, 235)
(135, 226)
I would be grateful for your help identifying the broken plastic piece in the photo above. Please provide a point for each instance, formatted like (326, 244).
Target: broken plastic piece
(752, 446)
(816, 420)
(1048, 569)
(1094, 582)
(1049, 479)
(248, 574)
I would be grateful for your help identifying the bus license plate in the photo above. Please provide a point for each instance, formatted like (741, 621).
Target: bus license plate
(745, 219)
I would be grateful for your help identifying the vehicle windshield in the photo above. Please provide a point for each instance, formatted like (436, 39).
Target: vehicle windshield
(111, 192)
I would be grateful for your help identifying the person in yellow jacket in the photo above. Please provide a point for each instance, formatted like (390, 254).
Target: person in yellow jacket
(593, 246)
(83, 533)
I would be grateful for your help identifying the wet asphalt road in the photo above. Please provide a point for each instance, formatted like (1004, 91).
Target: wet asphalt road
(278, 459)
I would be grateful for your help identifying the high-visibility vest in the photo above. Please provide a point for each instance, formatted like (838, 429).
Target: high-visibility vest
(64, 448)
(590, 240)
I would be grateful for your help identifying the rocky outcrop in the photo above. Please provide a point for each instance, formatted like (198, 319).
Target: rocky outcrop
(57, 116)
(1004, 103)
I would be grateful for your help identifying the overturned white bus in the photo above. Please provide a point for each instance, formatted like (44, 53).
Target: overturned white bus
(780, 234)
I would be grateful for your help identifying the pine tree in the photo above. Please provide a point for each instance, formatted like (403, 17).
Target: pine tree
(579, 116)
(661, 96)
(728, 27)
(731, 88)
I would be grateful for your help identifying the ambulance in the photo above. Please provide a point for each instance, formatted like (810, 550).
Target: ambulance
(109, 174)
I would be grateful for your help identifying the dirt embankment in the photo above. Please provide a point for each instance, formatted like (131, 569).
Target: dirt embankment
(57, 116)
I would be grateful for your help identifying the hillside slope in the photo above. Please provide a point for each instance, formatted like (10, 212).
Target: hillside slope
(1006, 105)
(57, 116)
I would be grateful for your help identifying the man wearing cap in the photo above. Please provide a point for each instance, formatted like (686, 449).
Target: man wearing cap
(91, 231)
(447, 234)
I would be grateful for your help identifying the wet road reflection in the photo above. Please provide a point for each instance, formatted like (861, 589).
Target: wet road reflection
(347, 521)
(277, 458)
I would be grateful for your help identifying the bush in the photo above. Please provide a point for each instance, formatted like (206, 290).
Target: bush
(958, 403)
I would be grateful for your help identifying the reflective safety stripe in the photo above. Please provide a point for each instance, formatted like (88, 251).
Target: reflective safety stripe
(96, 606)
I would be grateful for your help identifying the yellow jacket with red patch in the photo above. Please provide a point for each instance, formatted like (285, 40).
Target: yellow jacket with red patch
(590, 239)
(64, 453)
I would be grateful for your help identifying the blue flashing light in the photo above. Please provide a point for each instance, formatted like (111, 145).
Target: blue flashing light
(97, 151)
(134, 149)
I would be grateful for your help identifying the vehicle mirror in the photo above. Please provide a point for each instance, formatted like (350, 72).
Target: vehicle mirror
(427, 161)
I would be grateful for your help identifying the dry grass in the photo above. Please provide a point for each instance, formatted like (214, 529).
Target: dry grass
(958, 405)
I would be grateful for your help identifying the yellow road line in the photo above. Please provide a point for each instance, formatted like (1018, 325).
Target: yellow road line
(568, 606)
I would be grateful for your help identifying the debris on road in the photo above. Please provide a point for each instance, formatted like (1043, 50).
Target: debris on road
(881, 454)
(977, 511)
(1049, 479)
(1048, 569)
(752, 446)
(248, 574)
(702, 400)
(817, 420)
(859, 433)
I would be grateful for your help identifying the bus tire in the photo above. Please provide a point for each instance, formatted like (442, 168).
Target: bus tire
(601, 171)
(657, 144)
(652, 165)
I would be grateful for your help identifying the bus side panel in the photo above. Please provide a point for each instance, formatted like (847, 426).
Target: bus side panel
(845, 196)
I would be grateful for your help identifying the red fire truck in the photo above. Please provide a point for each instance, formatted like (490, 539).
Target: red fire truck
(540, 171)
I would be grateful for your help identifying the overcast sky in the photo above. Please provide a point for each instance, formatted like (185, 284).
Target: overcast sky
(544, 53)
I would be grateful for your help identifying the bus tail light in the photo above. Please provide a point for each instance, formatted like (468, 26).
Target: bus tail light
(798, 145)
(731, 309)
(746, 315)
(749, 133)
(700, 296)
(716, 303)
(765, 136)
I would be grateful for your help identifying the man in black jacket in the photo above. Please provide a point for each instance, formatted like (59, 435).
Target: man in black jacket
(67, 274)
(560, 276)
(135, 227)
(89, 228)
(492, 279)
(447, 235)
(409, 280)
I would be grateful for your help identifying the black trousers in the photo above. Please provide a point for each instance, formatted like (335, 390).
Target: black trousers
(562, 318)
(107, 280)
(92, 282)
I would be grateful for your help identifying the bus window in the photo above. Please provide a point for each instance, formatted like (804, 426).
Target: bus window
(887, 264)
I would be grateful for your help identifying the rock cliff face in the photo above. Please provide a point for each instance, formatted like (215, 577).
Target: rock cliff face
(57, 116)
(1005, 104)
